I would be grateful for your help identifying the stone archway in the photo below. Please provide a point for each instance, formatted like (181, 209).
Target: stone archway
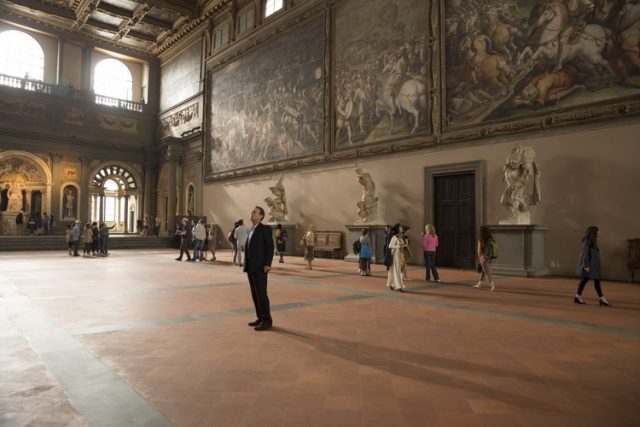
(25, 183)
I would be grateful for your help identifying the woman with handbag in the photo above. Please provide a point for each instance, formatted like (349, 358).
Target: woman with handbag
(589, 266)
(396, 246)
(308, 241)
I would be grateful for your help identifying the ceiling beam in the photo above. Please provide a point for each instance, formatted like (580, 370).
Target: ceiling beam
(49, 9)
(84, 9)
(115, 10)
(127, 25)
(180, 7)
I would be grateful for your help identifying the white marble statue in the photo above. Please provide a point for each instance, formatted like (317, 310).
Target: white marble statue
(14, 203)
(368, 204)
(518, 170)
(277, 205)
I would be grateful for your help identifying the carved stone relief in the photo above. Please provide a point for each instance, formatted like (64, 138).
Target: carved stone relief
(181, 121)
(22, 107)
(119, 124)
(73, 116)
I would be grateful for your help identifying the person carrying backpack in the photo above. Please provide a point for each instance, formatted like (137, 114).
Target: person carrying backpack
(487, 252)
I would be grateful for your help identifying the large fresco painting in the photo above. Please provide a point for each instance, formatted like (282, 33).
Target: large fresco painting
(180, 78)
(509, 59)
(381, 70)
(268, 105)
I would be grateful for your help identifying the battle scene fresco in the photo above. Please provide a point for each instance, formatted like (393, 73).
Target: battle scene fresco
(268, 105)
(381, 70)
(507, 59)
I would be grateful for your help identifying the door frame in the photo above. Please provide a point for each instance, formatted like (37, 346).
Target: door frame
(431, 172)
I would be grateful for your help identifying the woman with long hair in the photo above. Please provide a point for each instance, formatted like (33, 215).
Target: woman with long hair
(485, 258)
(429, 246)
(396, 246)
(589, 266)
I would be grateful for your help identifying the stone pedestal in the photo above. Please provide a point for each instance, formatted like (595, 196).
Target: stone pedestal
(292, 247)
(521, 250)
(8, 223)
(376, 236)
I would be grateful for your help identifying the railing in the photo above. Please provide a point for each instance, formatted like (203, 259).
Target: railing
(69, 92)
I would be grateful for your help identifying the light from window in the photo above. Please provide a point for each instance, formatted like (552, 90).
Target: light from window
(272, 6)
(21, 55)
(113, 79)
(221, 36)
(245, 20)
(111, 185)
(110, 208)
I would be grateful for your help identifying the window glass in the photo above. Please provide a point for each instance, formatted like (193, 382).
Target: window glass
(21, 55)
(272, 6)
(245, 20)
(113, 79)
(221, 36)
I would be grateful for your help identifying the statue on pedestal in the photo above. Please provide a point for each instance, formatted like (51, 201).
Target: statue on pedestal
(368, 205)
(277, 205)
(15, 199)
(518, 170)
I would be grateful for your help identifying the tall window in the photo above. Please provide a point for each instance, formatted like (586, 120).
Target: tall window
(21, 55)
(112, 78)
(245, 20)
(272, 6)
(221, 36)
(111, 188)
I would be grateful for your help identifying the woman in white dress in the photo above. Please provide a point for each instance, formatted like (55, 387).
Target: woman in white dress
(396, 245)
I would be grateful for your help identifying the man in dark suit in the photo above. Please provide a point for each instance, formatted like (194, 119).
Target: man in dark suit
(258, 257)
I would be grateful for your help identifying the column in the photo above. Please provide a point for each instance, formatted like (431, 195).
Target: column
(59, 62)
(84, 205)
(126, 214)
(199, 182)
(147, 207)
(86, 67)
(171, 191)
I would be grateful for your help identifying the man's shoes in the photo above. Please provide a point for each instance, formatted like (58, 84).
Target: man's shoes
(178, 259)
(256, 323)
(263, 327)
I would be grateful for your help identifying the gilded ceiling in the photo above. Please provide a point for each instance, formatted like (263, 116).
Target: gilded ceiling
(148, 27)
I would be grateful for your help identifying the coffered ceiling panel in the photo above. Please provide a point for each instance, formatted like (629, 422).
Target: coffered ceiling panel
(148, 27)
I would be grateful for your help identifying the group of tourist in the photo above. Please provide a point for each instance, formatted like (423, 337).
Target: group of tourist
(94, 237)
(197, 236)
(34, 224)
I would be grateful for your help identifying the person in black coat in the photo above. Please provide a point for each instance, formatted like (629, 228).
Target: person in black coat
(258, 258)
(589, 266)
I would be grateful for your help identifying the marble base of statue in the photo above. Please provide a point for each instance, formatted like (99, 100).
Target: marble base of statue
(8, 223)
(521, 250)
(376, 237)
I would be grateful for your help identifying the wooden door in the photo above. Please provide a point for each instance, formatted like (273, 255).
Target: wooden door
(454, 218)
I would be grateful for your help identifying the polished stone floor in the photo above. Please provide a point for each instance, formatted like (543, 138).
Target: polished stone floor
(139, 339)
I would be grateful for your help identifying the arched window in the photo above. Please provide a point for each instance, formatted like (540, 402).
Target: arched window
(21, 55)
(113, 79)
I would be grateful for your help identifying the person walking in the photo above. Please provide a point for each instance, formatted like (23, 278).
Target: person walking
(234, 243)
(396, 246)
(199, 236)
(485, 257)
(185, 239)
(19, 223)
(259, 255)
(364, 257)
(104, 238)
(281, 242)
(429, 246)
(76, 238)
(308, 241)
(241, 238)
(589, 266)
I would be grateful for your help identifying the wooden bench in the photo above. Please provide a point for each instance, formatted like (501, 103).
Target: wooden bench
(328, 244)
